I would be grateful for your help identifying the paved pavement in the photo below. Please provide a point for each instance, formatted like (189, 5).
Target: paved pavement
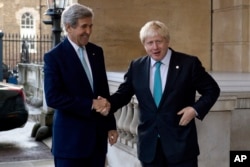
(11, 136)
(33, 163)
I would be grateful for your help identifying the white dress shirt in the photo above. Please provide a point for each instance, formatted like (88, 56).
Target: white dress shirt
(76, 47)
(164, 71)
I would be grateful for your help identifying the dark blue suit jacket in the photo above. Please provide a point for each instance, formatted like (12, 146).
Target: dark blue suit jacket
(185, 76)
(76, 128)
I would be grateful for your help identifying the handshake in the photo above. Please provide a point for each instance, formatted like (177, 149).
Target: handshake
(101, 105)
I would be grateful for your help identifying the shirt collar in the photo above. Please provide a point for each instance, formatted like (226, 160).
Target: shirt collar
(165, 60)
(75, 46)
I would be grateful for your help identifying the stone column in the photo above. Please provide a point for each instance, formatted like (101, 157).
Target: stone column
(214, 133)
(230, 36)
(43, 129)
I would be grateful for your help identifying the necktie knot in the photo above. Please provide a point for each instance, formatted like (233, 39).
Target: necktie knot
(158, 64)
(80, 49)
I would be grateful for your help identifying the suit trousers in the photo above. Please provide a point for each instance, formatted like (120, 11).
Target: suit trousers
(83, 162)
(160, 160)
(95, 160)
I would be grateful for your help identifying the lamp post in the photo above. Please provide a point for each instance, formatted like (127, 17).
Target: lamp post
(55, 9)
(1, 55)
(42, 129)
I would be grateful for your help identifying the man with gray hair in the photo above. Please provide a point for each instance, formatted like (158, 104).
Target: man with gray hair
(74, 78)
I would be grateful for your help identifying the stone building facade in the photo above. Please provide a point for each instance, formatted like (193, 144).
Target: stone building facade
(15, 15)
(217, 31)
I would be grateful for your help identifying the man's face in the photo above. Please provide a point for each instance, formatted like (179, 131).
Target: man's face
(156, 47)
(81, 33)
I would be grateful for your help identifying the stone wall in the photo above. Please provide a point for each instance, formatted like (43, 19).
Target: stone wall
(117, 24)
(10, 15)
(217, 31)
(31, 77)
(231, 35)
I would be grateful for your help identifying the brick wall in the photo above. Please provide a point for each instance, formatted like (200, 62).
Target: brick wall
(10, 14)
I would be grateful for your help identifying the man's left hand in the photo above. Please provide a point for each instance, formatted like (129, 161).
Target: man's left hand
(188, 113)
(112, 136)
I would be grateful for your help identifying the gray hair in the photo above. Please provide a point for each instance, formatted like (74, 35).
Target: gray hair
(153, 28)
(76, 11)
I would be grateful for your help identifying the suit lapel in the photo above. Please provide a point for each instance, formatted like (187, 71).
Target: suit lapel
(146, 78)
(91, 56)
(74, 59)
(146, 75)
(92, 59)
(69, 50)
(173, 72)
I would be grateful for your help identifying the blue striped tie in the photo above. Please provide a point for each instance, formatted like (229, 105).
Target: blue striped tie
(157, 84)
(85, 66)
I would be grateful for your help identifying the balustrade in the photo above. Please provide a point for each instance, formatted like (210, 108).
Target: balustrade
(127, 122)
(216, 137)
(133, 126)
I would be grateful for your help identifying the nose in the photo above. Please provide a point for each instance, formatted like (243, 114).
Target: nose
(155, 45)
(88, 29)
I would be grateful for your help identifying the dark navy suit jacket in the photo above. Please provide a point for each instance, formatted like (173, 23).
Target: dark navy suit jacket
(77, 129)
(185, 76)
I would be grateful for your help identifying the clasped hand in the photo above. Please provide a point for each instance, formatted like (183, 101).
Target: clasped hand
(101, 105)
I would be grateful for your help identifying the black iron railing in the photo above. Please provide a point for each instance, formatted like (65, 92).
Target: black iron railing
(24, 49)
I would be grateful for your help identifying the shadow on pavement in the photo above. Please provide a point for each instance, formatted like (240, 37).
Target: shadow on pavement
(18, 145)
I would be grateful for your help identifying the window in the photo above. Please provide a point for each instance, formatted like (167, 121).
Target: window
(28, 30)
(27, 21)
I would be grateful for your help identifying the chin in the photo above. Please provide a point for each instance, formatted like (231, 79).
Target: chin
(157, 58)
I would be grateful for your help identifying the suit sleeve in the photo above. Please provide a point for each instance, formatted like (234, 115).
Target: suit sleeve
(103, 90)
(124, 93)
(207, 87)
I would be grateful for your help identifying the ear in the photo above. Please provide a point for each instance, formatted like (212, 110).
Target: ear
(68, 28)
